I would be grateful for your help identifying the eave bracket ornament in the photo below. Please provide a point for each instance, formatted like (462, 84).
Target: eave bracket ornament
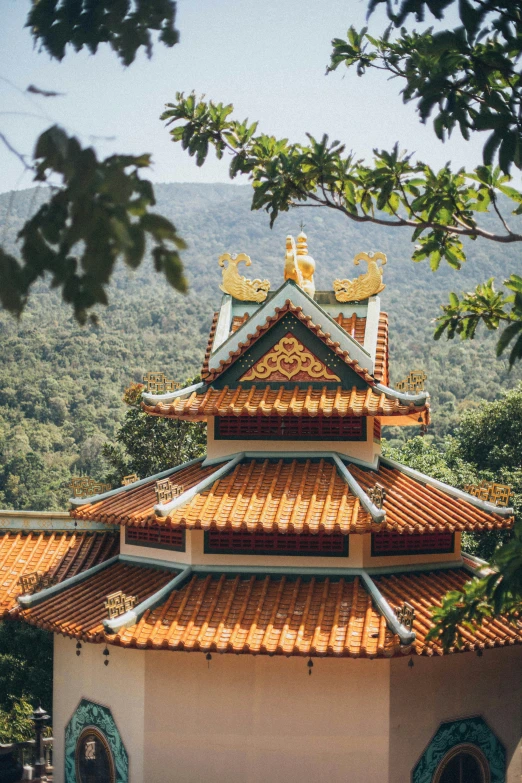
(491, 492)
(238, 286)
(366, 285)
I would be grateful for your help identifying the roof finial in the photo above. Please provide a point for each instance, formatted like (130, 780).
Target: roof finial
(299, 266)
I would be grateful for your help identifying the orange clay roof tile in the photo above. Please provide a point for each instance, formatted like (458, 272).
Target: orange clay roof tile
(261, 400)
(414, 507)
(264, 614)
(297, 496)
(283, 495)
(79, 610)
(424, 591)
(60, 555)
(279, 312)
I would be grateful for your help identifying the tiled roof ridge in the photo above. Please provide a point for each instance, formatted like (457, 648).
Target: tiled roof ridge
(261, 329)
(210, 343)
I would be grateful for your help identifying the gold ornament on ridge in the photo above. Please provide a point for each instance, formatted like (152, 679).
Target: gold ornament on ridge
(299, 266)
(238, 286)
(367, 284)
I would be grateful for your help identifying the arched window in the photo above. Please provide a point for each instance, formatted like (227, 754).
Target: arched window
(94, 763)
(463, 764)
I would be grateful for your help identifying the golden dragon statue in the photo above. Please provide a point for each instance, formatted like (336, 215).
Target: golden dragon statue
(238, 286)
(367, 284)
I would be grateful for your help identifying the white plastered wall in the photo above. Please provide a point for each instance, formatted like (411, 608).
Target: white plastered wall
(253, 719)
(119, 686)
(450, 687)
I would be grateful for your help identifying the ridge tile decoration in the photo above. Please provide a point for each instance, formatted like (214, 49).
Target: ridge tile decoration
(278, 315)
(130, 479)
(405, 615)
(366, 285)
(296, 495)
(118, 603)
(158, 383)
(413, 383)
(289, 360)
(55, 556)
(166, 490)
(490, 491)
(238, 286)
(266, 614)
(33, 583)
(298, 401)
(80, 610)
(85, 487)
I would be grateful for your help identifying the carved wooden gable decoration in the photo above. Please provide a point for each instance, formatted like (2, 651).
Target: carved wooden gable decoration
(290, 354)
(289, 360)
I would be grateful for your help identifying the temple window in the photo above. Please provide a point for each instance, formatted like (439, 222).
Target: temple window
(463, 764)
(93, 758)
(291, 427)
(418, 544)
(155, 536)
(261, 543)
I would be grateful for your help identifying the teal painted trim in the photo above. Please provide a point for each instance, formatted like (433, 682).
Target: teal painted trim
(490, 508)
(153, 399)
(293, 455)
(290, 290)
(150, 562)
(165, 509)
(87, 714)
(407, 399)
(377, 514)
(407, 637)
(66, 525)
(132, 617)
(26, 601)
(467, 731)
(119, 490)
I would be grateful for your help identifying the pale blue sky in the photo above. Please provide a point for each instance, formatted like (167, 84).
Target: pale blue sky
(267, 57)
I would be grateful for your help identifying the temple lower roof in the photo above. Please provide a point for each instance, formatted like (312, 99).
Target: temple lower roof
(58, 556)
(324, 492)
(352, 615)
(299, 401)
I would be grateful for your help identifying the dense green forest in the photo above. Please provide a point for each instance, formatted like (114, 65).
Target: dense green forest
(61, 385)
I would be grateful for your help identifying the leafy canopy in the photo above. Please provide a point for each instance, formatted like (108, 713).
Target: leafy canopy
(99, 215)
(146, 444)
(126, 25)
(468, 77)
(99, 212)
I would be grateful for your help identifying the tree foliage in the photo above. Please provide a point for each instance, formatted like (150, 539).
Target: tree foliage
(468, 78)
(489, 438)
(99, 210)
(100, 214)
(125, 25)
(147, 445)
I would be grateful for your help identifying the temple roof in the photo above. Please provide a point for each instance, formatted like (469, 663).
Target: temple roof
(264, 401)
(297, 493)
(57, 555)
(350, 615)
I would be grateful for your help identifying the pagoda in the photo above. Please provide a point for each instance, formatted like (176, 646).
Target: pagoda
(266, 614)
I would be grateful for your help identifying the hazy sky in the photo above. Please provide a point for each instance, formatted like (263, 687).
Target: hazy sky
(267, 57)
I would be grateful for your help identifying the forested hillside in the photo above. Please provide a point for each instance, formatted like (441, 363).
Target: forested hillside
(61, 384)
